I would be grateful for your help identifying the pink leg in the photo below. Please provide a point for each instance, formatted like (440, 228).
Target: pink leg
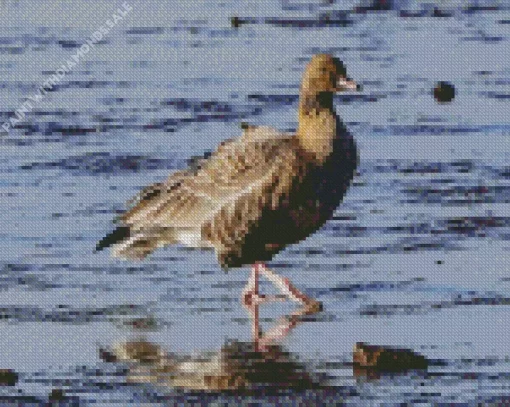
(255, 326)
(251, 300)
(277, 333)
(287, 289)
(250, 294)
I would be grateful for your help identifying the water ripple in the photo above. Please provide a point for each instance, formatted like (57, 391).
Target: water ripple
(106, 163)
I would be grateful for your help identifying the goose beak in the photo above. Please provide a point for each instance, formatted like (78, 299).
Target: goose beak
(344, 83)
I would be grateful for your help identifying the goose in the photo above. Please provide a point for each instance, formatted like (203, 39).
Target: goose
(256, 194)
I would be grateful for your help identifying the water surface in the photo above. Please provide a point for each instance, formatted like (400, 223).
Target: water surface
(417, 256)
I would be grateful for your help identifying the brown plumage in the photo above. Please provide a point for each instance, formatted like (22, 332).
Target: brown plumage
(255, 194)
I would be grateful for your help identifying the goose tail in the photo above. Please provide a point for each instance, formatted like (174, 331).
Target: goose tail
(126, 245)
(119, 234)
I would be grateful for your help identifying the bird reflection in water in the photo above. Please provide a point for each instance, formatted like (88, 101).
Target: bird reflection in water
(256, 365)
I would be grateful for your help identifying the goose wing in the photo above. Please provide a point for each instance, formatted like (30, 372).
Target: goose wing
(229, 189)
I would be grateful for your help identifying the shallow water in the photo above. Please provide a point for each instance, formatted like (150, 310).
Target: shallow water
(417, 256)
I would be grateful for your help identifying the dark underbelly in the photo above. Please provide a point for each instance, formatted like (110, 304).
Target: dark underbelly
(311, 204)
(277, 229)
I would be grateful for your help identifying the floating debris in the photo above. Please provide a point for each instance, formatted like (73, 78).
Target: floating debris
(235, 21)
(444, 92)
(8, 377)
(56, 395)
(384, 359)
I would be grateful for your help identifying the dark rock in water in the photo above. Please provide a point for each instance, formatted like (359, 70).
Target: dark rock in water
(8, 377)
(56, 395)
(383, 359)
(444, 92)
(235, 22)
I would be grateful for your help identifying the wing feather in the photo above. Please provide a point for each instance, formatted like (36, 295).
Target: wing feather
(239, 171)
